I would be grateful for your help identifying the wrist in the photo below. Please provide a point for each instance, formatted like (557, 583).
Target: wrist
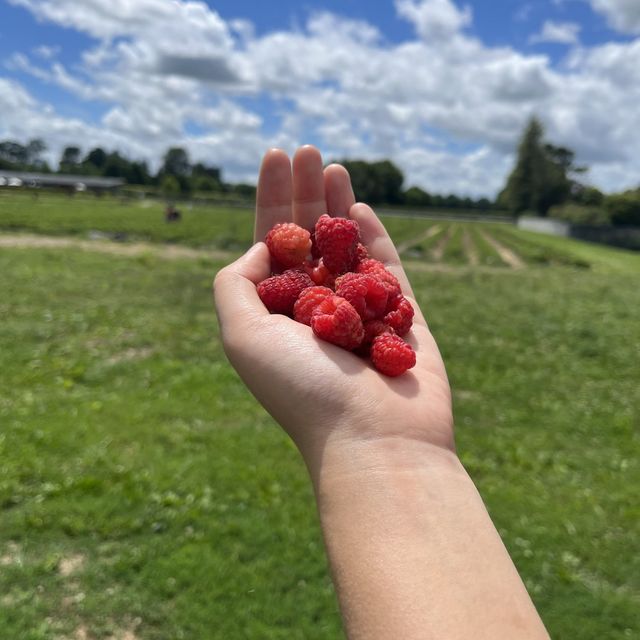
(343, 460)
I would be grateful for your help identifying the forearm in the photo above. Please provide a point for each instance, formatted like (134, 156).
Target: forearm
(412, 548)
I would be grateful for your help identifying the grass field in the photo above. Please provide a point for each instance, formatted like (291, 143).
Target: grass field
(145, 495)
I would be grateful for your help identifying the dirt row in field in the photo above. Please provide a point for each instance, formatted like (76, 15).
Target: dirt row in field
(438, 251)
(174, 252)
(168, 252)
(506, 255)
(407, 244)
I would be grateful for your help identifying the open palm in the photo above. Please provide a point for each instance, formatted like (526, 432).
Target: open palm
(318, 392)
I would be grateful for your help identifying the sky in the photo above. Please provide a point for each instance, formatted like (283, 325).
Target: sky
(441, 87)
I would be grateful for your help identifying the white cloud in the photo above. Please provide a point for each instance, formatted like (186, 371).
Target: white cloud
(46, 52)
(434, 19)
(447, 108)
(623, 15)
(560, 32)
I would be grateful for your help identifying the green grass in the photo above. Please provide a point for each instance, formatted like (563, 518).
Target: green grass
(486, 253)
(454, 252)
(126, 439)
(231, 228)
(201, 226)
(532, 251)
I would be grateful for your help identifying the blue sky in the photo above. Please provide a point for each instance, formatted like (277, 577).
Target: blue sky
(442, 87)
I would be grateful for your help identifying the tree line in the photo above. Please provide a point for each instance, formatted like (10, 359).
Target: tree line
(176, 175)
(545, 180)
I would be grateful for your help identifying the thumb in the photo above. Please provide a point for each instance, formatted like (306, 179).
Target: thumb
(234, 289)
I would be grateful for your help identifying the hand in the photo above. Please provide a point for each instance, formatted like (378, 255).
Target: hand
(321, 394)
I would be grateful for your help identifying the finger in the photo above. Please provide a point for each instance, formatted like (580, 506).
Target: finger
(234, 288)
(308, 187)
(273, 198)
(375, 237)
(338, 191)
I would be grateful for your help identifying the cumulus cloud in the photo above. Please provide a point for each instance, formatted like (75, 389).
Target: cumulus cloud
(434, 19)
(623, 15)
(560, 32)
(447, 108)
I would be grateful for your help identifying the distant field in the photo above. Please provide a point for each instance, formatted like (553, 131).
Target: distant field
(427, 240)
(144, 492)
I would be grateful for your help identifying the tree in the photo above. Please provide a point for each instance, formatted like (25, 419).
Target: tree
(417, 197)
(176, 163)
(19, 157)
(375, 182)
(541, 177)
(588, 196)
(34, 151)
(484, 204)
(624, 208)
(69, 160)
(205, 178)
(170, 187)
(96, 157)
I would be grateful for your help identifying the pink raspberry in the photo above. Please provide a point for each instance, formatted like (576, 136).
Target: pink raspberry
(365, 292)
(400, 315)
(391, 355)
(335, 320)
(307, 302)
(377, 269)
(288, 244)
(337, 239)
(279, 293)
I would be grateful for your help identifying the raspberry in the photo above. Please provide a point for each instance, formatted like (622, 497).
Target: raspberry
(337, 239)
(391, 355)
(319, 273)
(366, 293)
(307, 302)
(336, 321)
(361, 254)
(377, 269)
(315, 252)
(288, 244)
(279, 293)
(400, 315)
(373, 328)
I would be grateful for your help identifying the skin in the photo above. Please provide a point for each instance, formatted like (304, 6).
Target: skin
(412, 549)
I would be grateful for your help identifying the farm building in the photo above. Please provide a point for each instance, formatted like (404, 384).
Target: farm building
(23, 179)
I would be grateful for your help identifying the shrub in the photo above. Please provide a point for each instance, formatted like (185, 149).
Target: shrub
(579, 214)
(624, 208)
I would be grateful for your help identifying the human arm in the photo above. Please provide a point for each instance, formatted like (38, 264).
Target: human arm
(412, 549)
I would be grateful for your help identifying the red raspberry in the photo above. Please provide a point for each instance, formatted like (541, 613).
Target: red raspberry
(336, 321)
(337, 239)
(288, 244)
(361, 254)
(373, 328)
(391, 355)
(307, 302)
(400, 315)
(319, 273)
(377, 269)
(315, 252)
(279, 293)
(366, 293)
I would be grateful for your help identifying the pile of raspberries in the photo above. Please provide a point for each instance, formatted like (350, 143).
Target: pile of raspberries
(327, 281)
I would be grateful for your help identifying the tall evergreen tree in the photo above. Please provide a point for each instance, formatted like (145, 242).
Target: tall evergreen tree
(541, 177)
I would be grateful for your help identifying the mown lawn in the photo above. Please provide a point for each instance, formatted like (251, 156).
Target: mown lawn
(142, 489)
